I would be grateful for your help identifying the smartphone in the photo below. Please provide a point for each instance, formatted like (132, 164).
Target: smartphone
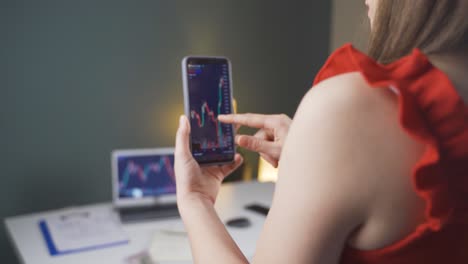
(207, 94)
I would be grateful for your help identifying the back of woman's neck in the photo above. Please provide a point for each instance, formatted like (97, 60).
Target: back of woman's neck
(455, 66)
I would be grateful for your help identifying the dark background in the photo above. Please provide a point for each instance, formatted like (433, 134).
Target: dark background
(80, 78)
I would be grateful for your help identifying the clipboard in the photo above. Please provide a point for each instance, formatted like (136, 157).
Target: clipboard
(115, 236)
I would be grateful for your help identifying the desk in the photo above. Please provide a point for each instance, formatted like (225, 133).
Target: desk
(31, 249)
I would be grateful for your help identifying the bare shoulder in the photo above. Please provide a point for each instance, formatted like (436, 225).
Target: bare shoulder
(348, 110)
(356, 127)
(343, 176)
(348, 92)
(349, 131)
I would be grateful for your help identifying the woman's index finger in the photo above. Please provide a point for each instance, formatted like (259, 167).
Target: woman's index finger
(250, 120)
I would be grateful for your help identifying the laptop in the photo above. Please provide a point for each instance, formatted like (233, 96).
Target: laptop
(143, 183)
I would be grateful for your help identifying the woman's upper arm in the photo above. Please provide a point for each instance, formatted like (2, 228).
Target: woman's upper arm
(325, 180)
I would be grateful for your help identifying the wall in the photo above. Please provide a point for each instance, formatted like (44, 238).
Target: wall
(349, 23)
(80, 78)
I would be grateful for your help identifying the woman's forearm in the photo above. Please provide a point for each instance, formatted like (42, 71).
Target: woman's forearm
(209, 239)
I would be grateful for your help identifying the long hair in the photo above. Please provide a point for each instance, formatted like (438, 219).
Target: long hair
(433, 26)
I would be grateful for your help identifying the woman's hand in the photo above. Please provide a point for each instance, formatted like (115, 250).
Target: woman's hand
(269, 139)
(193, 181)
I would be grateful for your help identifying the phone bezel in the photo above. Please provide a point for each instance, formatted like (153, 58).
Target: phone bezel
(185, 61)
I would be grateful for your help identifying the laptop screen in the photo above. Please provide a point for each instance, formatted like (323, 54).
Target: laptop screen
(145, 175)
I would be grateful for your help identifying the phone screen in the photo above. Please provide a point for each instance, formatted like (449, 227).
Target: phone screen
(209, 95)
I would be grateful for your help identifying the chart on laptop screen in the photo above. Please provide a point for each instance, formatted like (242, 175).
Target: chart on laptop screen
(143, 176)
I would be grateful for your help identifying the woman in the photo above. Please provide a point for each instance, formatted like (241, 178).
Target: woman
(375, 160)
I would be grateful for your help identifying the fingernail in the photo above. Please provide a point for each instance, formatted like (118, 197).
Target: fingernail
(181, 121)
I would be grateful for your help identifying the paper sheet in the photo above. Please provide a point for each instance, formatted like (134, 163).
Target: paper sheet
(170, 246)
(84, 229)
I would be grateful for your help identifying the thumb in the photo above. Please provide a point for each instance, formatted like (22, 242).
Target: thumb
(182, 146)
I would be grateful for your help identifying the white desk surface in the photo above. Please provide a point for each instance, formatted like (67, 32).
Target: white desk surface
(31, 248)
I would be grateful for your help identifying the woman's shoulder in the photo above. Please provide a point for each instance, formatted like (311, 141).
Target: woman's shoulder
(346, 137)
(344, 114)
(404, 130)
(429, 107)
(350, 93)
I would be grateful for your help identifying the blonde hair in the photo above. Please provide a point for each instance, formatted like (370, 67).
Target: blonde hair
(434, 26)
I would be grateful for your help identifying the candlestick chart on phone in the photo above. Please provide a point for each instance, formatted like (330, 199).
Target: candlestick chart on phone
(211, 97)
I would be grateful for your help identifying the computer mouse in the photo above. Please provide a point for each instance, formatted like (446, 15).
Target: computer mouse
(238, 222)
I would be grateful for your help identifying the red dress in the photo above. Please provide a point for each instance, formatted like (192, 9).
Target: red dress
(432, 112)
